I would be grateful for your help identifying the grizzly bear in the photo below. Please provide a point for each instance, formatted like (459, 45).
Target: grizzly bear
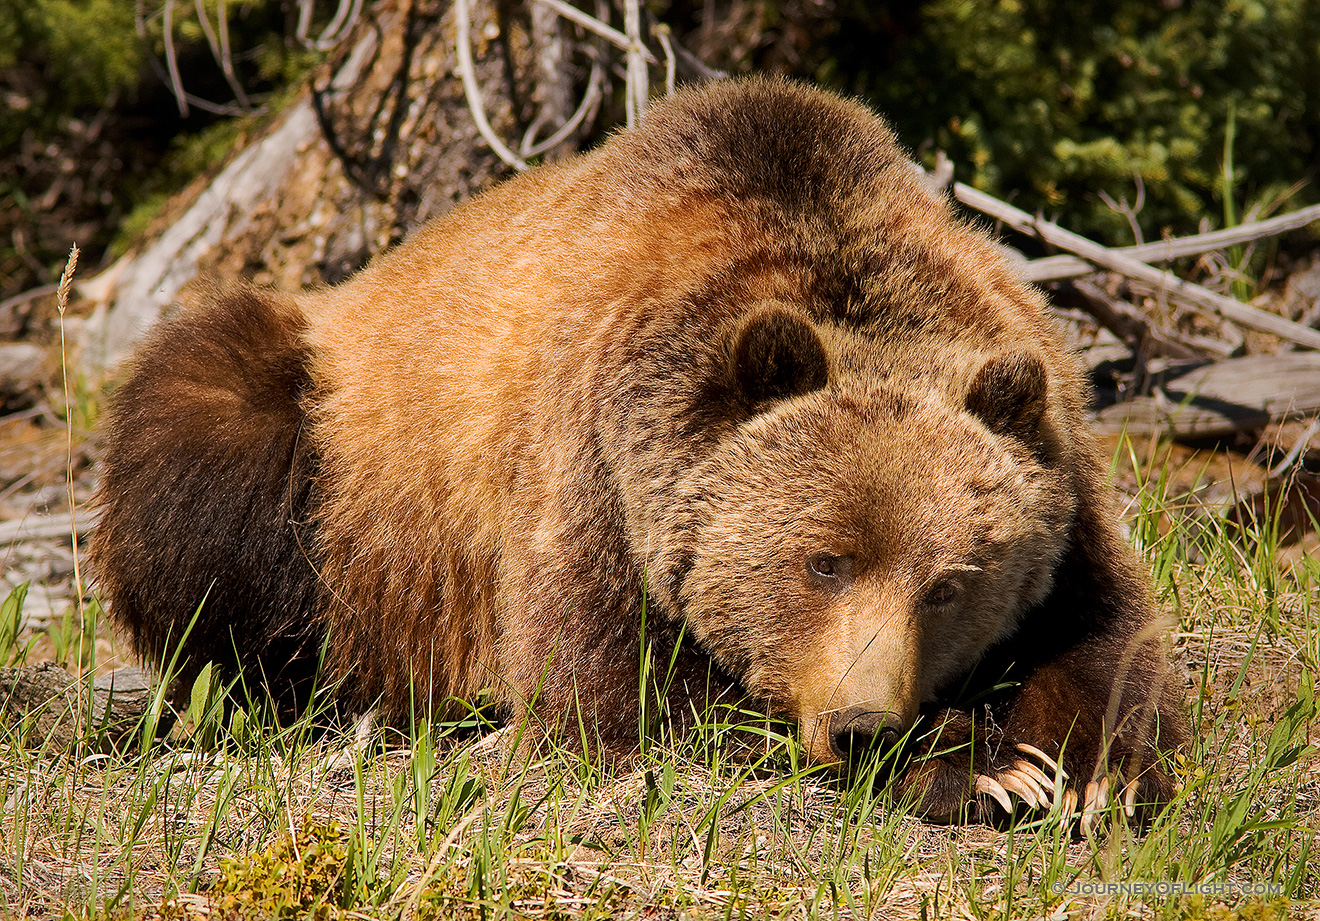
(737, 387)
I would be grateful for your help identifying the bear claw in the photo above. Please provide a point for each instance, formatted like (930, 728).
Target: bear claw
(1023, 785)
(1095, 801)
(1130, 799)
(1040, 777)
(1069, 805)
(995, 790)
(1026, 780)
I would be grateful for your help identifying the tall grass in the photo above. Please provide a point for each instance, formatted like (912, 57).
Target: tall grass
(232, 815)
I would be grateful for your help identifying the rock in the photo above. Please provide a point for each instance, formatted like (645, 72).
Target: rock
(1303, 293)
(59, 714)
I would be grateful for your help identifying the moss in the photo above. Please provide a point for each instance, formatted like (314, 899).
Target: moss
(1195, 908)
(299, 876)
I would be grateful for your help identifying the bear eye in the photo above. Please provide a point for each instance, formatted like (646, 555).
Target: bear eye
(830, 570)
(942, 593)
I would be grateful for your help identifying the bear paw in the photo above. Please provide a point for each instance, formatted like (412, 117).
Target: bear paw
(946, 788)
(954, 786)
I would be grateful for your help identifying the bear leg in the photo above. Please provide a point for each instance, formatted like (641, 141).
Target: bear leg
(206, 480)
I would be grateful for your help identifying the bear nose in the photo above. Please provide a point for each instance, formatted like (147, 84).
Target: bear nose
(859, 730)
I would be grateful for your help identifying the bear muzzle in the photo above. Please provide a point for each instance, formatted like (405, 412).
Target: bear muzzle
(860, 687)
(861, 731)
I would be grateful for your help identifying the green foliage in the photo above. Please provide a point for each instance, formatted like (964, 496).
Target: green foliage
(298, 876)
(11, 620)
(1194, 908)
(89, 126)
(1054, 103)
(85, 50)
(74, 637)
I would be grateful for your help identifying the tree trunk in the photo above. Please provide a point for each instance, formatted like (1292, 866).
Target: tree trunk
(378, 141)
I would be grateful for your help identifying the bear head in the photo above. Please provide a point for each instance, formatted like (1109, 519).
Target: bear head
(853, 546)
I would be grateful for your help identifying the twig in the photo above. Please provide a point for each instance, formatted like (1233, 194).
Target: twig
(554, 90)
(29, 295)
(170, 74)
(346, 16)
(661, 32)
(473, 92)
(226, 54)
(172, 62)
(1291, 457)
(1185, 291)
(1129, 212)
(592, 24)
(700, 68)
(589, 100)
(304, 26)
(1053, 268)
(638, 89)
(1128, 324)
(1165, 250)
(220, 49)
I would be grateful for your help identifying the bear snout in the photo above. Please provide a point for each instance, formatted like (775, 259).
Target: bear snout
(860, 730)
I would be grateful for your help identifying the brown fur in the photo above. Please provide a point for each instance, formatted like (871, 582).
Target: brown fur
(205, 473)
(680, 368)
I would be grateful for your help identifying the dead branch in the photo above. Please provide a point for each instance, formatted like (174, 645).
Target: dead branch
(1300, 447)
(346, 16)
(1054, 268)
(553, 91)
(592, 24)
(1128, 323)
(45, 527)
(661, 32)
(463, 42)
(638, 84)
(219, 45)
(1184, 291)
(590, 99)
(172, 61)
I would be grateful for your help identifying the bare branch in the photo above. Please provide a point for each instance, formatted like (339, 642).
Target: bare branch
(696, 65)
(638, 89)
(172, 62)
(304, 26)
(553, 90)
(462, 16)
(589, 101)
(1053, 268)
(1130, 325)
(661, 32)
(220, 49)
(1184, 291)
(1295, 453)
(346, 16)
(592, 24)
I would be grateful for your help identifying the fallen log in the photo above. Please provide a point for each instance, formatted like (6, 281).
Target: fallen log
(1215, 400)
(45, 527)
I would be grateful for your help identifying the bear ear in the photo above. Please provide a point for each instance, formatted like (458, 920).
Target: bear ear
(1008, 394)
(777, 354)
